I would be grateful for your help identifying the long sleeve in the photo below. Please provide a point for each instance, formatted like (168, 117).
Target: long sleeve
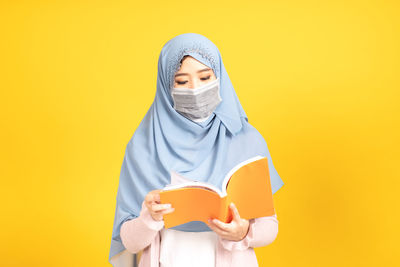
(262, 231)
(138, 233)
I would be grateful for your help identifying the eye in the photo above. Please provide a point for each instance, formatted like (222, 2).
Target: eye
(178, 82)
(205, 78)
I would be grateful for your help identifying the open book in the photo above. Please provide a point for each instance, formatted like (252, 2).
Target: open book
(247, 185)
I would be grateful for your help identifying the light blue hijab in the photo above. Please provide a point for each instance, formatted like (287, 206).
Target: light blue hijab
(165, 140)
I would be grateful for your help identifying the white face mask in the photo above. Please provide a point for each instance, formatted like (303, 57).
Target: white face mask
(199, 103)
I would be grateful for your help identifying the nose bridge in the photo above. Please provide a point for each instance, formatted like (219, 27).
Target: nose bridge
(195, 82)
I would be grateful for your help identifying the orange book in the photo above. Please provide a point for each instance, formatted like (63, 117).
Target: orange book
(247, 185)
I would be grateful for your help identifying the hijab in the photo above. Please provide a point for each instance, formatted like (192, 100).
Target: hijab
(165, 140)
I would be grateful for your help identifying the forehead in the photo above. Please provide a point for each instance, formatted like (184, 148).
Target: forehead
(189, 63)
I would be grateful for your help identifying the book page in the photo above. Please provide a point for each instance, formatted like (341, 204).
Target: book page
(250, 189)
(179, 181)
(234, 169)
(191, 204)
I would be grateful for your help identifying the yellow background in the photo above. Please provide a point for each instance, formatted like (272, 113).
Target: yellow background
(318, 79)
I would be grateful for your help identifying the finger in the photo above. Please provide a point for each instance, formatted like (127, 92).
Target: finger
(216, 229)
(235, 212)
(160, 207)
(153, 197)
(157, 196)
(150, 197)
(148, 205)
(221, 225)
(168, 211)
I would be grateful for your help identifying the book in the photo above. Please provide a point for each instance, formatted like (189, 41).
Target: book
(247, 185)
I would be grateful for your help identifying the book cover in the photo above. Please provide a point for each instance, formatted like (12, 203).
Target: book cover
(247, 185)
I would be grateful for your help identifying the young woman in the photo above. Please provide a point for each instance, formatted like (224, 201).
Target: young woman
(197, 127)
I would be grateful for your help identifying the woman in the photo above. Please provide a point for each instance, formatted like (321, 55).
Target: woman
(197, 127)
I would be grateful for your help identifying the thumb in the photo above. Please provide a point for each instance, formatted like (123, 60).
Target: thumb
(235, 212)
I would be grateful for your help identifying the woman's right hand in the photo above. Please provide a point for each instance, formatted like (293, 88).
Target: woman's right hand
(157, 210)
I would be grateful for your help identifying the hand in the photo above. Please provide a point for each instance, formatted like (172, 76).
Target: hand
(236, 230)
(157, 210)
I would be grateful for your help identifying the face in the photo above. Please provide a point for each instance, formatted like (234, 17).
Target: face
(193, 74)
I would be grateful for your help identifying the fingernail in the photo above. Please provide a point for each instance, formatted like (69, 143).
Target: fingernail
(167, 206)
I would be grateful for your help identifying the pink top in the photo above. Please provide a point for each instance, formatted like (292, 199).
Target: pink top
(143, 234)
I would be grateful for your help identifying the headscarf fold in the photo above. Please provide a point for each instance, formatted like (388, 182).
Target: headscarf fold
(165, 140)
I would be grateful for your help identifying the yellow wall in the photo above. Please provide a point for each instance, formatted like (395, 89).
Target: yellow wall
(319, 80)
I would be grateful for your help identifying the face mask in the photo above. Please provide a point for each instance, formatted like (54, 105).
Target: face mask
(197, 104)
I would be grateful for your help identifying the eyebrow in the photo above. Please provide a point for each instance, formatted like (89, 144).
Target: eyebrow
(181, 74)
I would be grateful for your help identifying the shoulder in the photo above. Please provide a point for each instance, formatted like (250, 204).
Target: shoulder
(251, 133)
(249, 141)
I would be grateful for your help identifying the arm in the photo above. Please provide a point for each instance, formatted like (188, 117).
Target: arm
(262, 232)
(138, 233)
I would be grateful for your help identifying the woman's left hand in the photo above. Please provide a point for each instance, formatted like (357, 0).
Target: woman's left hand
(236, 230)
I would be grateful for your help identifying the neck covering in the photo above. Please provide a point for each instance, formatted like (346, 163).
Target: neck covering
(166, 140)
